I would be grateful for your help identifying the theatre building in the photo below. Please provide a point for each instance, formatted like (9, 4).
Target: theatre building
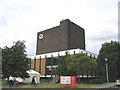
(55, 42)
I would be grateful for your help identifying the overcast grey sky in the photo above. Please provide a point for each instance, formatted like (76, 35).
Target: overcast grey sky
(22, 19)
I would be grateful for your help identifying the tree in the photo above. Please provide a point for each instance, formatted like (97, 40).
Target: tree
(76, 65)
(14, 60)
(80, 63)
(0, 61)
(62, 68)
(110, 51)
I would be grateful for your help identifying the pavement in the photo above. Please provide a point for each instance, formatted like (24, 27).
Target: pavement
(106, 85)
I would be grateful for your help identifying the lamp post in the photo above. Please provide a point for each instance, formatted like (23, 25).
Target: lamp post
(107, 70)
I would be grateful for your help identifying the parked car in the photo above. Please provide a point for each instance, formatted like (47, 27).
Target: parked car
(118, 82)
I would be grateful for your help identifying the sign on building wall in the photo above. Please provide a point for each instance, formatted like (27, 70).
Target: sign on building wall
(67, 80)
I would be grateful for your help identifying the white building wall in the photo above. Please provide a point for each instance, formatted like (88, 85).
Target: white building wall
(63, 53)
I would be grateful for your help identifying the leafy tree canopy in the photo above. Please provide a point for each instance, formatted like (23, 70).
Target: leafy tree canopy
(14, 60)
(111, 51)
(74, 65)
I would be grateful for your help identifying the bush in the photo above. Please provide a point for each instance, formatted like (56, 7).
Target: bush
(96, 81)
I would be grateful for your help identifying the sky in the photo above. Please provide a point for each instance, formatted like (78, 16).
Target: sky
(22, 19)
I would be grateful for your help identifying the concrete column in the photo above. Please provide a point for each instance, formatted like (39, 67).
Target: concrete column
(34, 63)
(40, 65)
(45, 64)
(52, 65)
(30, 62)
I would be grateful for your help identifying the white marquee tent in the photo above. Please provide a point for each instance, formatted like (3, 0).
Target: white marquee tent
(32, 73)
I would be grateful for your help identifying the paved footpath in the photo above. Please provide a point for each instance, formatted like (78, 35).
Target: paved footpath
(106, 85)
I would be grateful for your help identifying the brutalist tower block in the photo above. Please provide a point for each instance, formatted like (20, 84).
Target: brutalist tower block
(66, 36)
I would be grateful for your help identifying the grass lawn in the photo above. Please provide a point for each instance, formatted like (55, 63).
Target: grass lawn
(48, 85)
(4, 82)
(41, 85)
(51, 85)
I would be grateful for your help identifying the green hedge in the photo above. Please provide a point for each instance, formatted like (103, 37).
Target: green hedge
(96, 81)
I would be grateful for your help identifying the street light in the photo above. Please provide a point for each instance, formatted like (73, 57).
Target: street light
(107, 70)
